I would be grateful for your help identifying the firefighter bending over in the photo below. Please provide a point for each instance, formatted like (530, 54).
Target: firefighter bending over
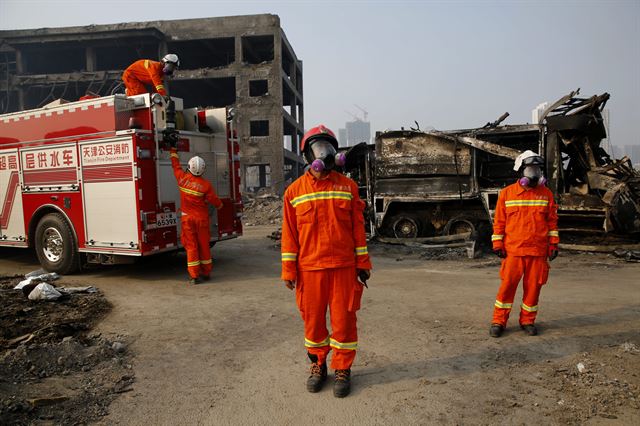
(147, 72)
(525, 235)
(324, 252)
(195, 193)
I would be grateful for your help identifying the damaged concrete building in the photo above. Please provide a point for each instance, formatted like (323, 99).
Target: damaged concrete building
(244, 62)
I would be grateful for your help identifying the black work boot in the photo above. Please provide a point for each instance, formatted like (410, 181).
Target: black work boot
(318, 376)
(496, 330)
(342, 383)
(530, 329)
(194, 281)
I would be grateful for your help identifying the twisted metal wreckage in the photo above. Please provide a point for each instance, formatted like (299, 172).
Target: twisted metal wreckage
(440, 188)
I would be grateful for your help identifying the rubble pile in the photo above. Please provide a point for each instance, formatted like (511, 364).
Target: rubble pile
(262, 209)
(52, 367)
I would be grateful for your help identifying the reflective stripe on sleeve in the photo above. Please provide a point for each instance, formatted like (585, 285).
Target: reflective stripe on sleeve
(311, 344)
(553, 234)
(501, 305)
(529, 308)
(173, 154)
(289, 257)
(146, 63)
(322, 195)
(160, 86)
(346, 345)
(361, 251)
(497, 237)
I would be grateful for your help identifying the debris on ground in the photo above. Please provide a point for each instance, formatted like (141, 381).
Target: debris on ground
(608, 385)
(262, 209)
(422, 251)
(628, 255)
(276, 235)
(52, 367)
(44, 291)
(35, 278)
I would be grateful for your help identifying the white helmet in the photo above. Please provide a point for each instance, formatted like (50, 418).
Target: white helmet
(197, 166)
(171, 58)
(527, 158)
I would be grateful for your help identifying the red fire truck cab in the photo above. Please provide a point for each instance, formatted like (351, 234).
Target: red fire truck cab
(91, 181)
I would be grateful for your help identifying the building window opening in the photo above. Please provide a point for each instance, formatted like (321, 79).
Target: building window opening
(257, 176)
(258, 87)
(257, 49)
(259, 127)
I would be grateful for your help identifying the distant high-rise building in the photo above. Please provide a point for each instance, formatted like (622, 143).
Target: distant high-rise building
(358, 131)
(342, 137)
(634, 154)
(606, 142)
(537, 112)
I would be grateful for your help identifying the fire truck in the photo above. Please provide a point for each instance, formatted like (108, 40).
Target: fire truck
(91, 181)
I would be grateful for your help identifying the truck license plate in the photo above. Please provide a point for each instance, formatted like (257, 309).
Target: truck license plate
(166, 219)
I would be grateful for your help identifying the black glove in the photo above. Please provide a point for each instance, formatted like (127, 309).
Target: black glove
(501, 253)
(553, 251)
(363, 276)
(170, 136)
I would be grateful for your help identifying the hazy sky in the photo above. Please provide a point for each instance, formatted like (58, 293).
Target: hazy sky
(447, 64)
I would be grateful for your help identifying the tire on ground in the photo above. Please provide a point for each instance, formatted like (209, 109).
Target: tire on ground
(55, 245)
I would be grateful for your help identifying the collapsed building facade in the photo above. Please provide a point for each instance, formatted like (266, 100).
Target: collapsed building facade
(244, 62)
(432, 186)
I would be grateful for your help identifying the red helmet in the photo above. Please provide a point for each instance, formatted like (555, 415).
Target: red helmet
(318, 132)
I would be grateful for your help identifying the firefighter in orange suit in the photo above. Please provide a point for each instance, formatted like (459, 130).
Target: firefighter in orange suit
(195, 193)
(525, 235)
(147, 72)
(325, 258)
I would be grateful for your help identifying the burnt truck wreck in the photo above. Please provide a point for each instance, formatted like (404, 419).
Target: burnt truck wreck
(443, 186)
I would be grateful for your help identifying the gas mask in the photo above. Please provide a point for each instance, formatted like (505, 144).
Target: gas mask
(325, 157)
(168, 69)
(532, 176)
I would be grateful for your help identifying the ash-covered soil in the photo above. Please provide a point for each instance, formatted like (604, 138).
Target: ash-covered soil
(53, 369)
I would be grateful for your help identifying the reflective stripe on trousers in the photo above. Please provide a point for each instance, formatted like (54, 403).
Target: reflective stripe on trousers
(338, 290)
(533, 270)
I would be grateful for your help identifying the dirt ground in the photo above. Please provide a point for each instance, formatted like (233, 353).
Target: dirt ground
(53, 369)
(231, 351)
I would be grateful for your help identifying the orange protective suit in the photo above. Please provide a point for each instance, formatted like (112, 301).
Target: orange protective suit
(195, 192)
(525, 225)
(141, 73)
(323, 244)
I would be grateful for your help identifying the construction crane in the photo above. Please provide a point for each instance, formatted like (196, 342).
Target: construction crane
(355, 117)
(364, 111)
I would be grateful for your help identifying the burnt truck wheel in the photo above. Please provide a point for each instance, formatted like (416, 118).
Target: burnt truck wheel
(55, 244)
(405, 226)
(460, 225)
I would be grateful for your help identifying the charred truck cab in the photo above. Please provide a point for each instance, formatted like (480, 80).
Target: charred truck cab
(443, 186)
(92, 181)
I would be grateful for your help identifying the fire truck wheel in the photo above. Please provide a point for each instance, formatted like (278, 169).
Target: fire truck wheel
(55, 244)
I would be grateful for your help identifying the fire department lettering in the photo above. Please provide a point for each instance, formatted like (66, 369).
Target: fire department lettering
(106, 153)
